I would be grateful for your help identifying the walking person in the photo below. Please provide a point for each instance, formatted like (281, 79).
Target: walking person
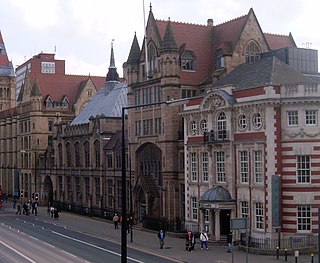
(115, 220)
(18, 209)
(161, 236)
(35, 208)
(230, 244)
(204, 240)
(189, 238)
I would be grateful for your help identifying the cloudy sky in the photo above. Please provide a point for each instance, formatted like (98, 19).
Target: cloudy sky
(81, 31)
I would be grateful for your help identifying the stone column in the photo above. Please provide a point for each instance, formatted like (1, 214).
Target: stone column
(217, 224)
(211, 222)
(202, 223)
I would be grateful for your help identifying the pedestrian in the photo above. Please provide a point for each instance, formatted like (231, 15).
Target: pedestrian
(32, 206)
(161, 236)
(116, 221)
(35, 208)
(189, 238)
(48, 210)
(204, 240)
(55, 212)
(18, 209)
(52, 211)
(229, 241)
(14, 203)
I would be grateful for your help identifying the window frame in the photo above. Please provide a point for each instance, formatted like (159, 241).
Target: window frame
(259, 216)
(303, 169)
(304, 218)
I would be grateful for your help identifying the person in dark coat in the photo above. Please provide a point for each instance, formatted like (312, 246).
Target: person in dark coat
(56, 214)
(161, 236)
(229, 241)
(189, 241)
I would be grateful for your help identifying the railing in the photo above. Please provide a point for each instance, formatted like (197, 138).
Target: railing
(289, 243)
(216, 136)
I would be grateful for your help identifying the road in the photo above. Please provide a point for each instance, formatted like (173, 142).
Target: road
(37, 239)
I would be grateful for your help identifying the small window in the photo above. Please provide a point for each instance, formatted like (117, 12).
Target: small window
(311, 117)
(257, 121)
(242, 122)
(204, 126)
(188, 61)
(292, 117)
(50, 125)
(193, 127)
(252, 52)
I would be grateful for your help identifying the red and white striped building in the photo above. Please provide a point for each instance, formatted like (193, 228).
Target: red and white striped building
(259, 123)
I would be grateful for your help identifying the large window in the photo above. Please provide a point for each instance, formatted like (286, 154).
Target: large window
(110, 194)
(68, 150)
(311, 117)
(137, 128)
(244, 209)
(244, 167)
(157, 126)
(194, 167)
(205, 166)
(303, 168)
(222, 126)
(304, 217)
(194, 208)
(259, 216)
(221, 167)
(86, 154)
(292, 117)
(97, 153)
(77, 153)
(147, 127)
(258, 166)
(98, 189)
(252, 52)
(87, 188)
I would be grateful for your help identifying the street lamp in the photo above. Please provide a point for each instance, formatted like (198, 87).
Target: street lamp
(123, 170)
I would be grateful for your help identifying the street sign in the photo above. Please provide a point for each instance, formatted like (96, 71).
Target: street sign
(238, 223)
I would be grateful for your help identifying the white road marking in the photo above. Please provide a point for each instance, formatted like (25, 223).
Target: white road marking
(91, 245)
(19, 253)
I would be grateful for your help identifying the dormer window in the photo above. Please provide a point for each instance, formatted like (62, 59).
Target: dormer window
(252, 52)
(65, 103)
(188, 60)
(49, 103)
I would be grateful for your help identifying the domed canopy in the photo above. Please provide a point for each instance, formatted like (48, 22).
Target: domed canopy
(216, 194)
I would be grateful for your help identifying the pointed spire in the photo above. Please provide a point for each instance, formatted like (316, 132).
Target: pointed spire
(35, 91)
(112, 73)
(4, 61)
(134, 54)
(168, 43)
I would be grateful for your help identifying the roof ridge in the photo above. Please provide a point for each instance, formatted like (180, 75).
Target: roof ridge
(232, 20)
(274, 34)
(184, 23)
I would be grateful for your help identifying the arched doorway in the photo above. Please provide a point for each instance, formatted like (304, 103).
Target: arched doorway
(149, 180)
(47, 191)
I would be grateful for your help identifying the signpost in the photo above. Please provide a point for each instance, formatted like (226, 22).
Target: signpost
(239, 224)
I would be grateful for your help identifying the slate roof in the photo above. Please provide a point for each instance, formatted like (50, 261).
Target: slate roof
(134, 54)
(107, 102)
(266, 71)
(216, 194)
(4, 61)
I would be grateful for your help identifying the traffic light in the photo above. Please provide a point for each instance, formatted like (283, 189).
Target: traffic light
(21, 194)
(36, 197)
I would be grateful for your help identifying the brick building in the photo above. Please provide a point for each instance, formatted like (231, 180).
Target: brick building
(179, 60)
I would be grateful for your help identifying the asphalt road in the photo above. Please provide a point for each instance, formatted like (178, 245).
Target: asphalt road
(38, 239)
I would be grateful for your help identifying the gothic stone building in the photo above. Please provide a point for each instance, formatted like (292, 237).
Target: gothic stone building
(26, 130)
(179, 60)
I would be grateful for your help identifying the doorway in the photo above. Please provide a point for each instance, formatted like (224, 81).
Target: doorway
(225, 222)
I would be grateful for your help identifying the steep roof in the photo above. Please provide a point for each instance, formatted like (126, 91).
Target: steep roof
(279, 41)
(197, 38)
(107, 102)
(4, 61)
(266, 71)
(58, 85)
(168, 43)
(134, 54)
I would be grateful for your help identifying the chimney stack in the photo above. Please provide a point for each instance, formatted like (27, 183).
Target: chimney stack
(210, 22)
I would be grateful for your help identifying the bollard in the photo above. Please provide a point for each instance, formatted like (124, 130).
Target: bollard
(311, 257)
(277, 252)
(286, 255)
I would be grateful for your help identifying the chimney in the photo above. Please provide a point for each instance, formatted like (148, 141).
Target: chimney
(210, 22)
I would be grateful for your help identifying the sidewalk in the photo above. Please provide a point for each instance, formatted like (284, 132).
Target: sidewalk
(174, 248)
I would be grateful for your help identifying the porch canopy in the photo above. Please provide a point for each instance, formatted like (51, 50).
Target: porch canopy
(217, 197)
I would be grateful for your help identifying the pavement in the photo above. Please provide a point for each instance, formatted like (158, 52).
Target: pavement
(174, 247)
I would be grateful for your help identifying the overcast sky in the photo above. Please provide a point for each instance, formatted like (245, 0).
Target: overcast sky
(81, 31)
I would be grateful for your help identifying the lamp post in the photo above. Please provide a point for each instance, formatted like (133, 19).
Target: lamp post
(123, 170)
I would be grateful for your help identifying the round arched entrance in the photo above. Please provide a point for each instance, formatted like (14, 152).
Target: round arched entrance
(47, 191)
(149, 181)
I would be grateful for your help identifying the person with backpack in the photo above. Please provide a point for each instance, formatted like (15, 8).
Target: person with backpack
(204, 240)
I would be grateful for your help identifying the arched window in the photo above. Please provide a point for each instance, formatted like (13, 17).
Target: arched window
(68, 150)
(252, 52)
(152, 57)
(77, 153)
(97, 153)
(86, 154)
(222, 126)
(60, 155)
